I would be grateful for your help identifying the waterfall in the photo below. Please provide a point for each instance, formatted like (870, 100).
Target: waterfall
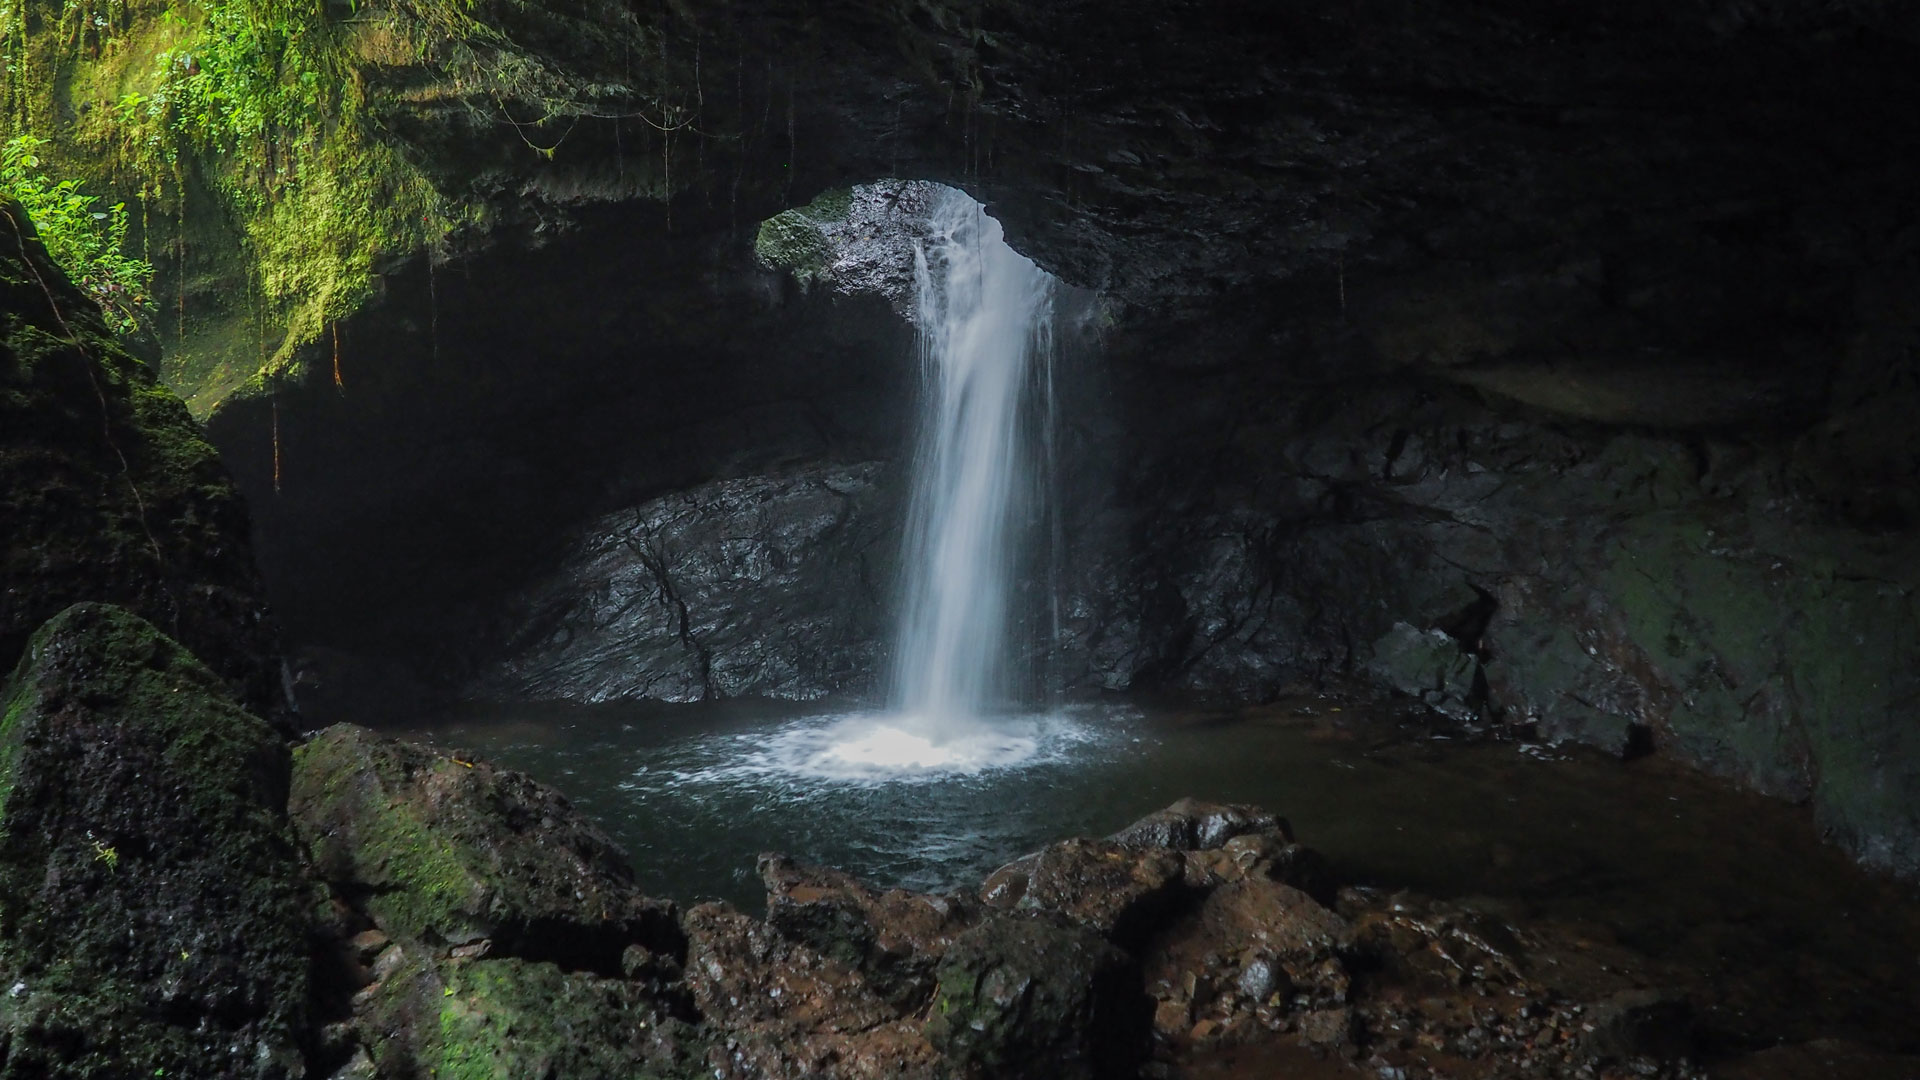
(985, 318)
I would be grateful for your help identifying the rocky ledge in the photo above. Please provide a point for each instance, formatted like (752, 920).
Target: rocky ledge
(481, 928)
(181, 896)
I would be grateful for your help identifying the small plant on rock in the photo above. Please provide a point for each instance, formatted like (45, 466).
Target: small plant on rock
(87, 242)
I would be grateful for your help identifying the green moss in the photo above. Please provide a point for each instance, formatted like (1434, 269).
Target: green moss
(1789, 670)
(796, 241)
(85, 237)
(268, 142)
(510, 1018)
(162, 521)
(117, 739)
(16, 707)
(425, 887)
(1851, 668)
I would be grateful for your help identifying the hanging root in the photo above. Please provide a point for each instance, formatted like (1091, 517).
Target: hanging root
(100, 395)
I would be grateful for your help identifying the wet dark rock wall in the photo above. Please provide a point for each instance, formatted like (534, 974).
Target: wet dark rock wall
(765, 586)
(1629, 589)
(488, 412)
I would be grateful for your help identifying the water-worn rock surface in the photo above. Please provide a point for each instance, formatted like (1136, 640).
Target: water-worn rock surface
(427, 913)
(1695, 595)
(438, 849)
(155, 914)
(1189, 938)
(767, 586)
(478, 925)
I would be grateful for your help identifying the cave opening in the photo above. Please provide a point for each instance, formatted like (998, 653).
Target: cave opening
(1480, 433)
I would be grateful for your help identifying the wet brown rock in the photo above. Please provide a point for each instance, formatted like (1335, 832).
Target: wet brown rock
(1193, 825)
(1327, 1027)
(1273, 917)
(778, 1008)
(1640, 1023)
(1023, 996)
(894, 938)
(1446, 945)
(1252, 954)
(1122, 893)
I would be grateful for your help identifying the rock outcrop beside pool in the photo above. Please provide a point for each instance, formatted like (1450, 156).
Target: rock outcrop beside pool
(481, 927)
(155, 916)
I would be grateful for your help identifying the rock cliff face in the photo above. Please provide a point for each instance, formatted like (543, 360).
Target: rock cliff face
(108, 489)
(770, 586)
(1631, 589)
(1584, 339)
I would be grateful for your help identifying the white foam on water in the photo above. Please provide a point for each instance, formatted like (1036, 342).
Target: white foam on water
(873, 748)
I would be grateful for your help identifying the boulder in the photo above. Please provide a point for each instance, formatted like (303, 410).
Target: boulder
(1431, 666)
(153, 908)
(1193, 825)
(508, 1019)
(1640, 1023)
(775, 1007)
(893, 938)
(443, 851)
(1025, 996)
(1118, 892)
(1220, 843)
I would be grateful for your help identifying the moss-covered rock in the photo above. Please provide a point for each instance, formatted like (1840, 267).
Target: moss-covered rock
(108, 490)
(152, 903)
(1782, 657)
(507, 1019)
(1429, 665)
(441, 851)
(797, 240)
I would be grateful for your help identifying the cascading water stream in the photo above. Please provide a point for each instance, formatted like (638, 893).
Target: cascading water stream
(981, 482)
(984, 314)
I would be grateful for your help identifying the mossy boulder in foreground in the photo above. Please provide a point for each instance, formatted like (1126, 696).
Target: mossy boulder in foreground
(506, 1019)
(153, 915)
(488, 930)
(448, 852)
(1024, 996)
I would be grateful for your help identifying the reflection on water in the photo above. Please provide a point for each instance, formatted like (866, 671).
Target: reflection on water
(1735, 892)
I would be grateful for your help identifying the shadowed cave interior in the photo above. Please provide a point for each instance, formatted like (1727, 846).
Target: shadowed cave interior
(1449, 533)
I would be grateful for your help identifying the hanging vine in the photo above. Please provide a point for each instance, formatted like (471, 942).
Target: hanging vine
(283, 110)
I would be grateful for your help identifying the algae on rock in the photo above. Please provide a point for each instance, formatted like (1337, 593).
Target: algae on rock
(447, 852)
(153, 906)
(503, 1019)
(108, 488)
